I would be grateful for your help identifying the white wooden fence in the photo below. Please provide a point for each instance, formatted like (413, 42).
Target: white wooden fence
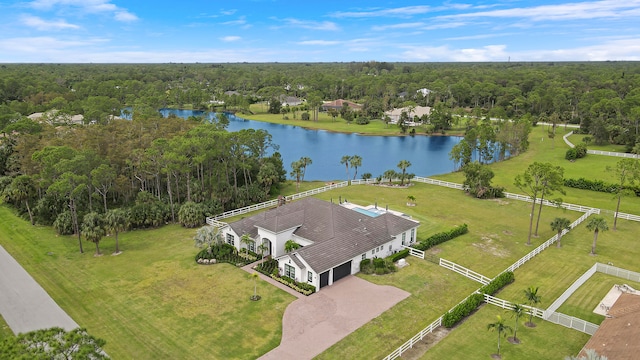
(414, 252)
(539, 313)
(215, 223)
(464, 271)
(568, 206)
(628, 216)
(448, 184)
(419, 336)
(598, 152)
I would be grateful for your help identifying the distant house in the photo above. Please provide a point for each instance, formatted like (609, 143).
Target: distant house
(231, 93)
(338, 104)
(56, 117)
(412, 112)
(424, 91)
(290, 100)
(334, 238)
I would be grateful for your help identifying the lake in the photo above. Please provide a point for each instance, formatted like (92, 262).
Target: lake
(429, 155)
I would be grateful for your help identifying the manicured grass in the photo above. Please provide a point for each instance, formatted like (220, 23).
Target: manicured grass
(591, 167)
(589, 296)
(153, 300)
(472, 340)
(5, 331)
(577, 139)
(433, 290)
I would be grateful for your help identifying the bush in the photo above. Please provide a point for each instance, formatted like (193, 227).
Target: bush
(305, 116)
(577, 152)
(302, 288)
(378, 266)
(267, 267)
(399, 255)
(362, 120)
(191, 214)
(462, 310)
(597, 185)
(498, 283)
(439, 238)
(64, 223)
(225, 253)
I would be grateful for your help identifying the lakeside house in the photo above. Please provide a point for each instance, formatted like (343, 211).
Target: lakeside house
(333, 238)
(338, 104)
(412, 112)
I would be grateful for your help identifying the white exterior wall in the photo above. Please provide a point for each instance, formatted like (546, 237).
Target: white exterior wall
(301, 273)
(236, 238)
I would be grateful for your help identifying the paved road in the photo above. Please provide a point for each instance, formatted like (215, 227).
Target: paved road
(312, 324)
(24, 304)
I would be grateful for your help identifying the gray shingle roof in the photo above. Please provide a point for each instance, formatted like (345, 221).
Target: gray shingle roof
(338, 234)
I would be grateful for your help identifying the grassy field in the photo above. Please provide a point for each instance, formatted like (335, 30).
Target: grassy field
(152, 301)
(5, 331)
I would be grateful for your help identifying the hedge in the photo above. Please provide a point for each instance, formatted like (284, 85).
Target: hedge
(498, 283)
(597, 185)
(462, 310)
(465, 308)
(399, 255)
(439, 238)
(302, 288)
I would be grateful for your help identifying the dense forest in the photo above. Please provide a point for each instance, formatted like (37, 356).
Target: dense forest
(55, 171)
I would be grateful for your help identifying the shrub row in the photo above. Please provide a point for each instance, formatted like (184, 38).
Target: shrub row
(399, 255)
(498, 283)
(302, 288)
(379, 266)
(268, 267)
(224, 253)
(597, 185)
(439, 238)
(462, 310)
(465, 308)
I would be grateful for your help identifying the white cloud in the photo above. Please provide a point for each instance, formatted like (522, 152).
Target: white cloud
(240, 21)
(228, 12)
(412, 25)
(393, 12)
(44, 25)
(308, 24)
(230, 38)
(567, 11)
(319, 42)
(44, 45)
(444, 53)
(87, 6)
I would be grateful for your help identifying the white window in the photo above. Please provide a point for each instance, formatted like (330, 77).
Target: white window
(230, 239)
(289, 271)
(389, 248)
(364, 256)
(413, 235)
(309, 276)
(404, 237)
(251, 246)
(373, 251)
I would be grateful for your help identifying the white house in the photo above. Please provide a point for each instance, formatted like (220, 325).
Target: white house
(334, 239)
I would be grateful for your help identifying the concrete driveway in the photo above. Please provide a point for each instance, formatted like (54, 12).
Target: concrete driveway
(312, 324)
(24, 304)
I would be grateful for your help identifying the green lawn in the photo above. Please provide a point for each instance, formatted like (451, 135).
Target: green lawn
(472, 340)
(5, 331)
(152, 301)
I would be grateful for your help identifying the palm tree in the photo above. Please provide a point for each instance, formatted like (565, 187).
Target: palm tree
(531, 294)
(93, 229)
(403, 165)
(517, 310)
(262, 248)
(411, 199)
(304, 162)
(22, 189)
(356, 161)
(389, 174)
(291, 245)
(596, 224)
(345, 161)
(246, 240)
(255, 277)
(500, 327)
(116, 220)
(558, 224)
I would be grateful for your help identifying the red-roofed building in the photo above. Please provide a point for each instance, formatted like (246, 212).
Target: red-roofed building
(338, 104)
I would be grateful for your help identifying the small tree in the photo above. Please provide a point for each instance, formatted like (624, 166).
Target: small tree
(53, 343)
(296, 172)
(93, 229)
(403, 165)
(558, 224)
(191, 214)
(346, 159)
(207, 236)
(597, 224)
(627, 171)
(411, 200)
(262, 248)
(531, 294)
(246, 240)
(255, 277)
(116, 220)
(500, 327)
(517, 310)
(356, 161)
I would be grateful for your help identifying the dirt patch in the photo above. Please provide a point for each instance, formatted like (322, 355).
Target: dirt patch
(421, 347)
(434, 251)
(489, 245)
(507, 232)
(500, 201)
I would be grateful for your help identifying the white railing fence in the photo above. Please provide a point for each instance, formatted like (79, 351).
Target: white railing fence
(573, 323)
(216, 223)
(615, 154)
(570, 290)
(414, 252)
(448, 184)
(618, 272)
(464, 271)
(628, 216)
(418, 337)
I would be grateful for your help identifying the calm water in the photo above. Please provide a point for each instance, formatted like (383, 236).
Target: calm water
(429, 155)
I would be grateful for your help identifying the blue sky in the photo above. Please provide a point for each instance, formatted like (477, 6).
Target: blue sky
(115, 31)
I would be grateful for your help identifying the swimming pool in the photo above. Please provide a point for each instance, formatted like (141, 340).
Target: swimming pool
(370, 213)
